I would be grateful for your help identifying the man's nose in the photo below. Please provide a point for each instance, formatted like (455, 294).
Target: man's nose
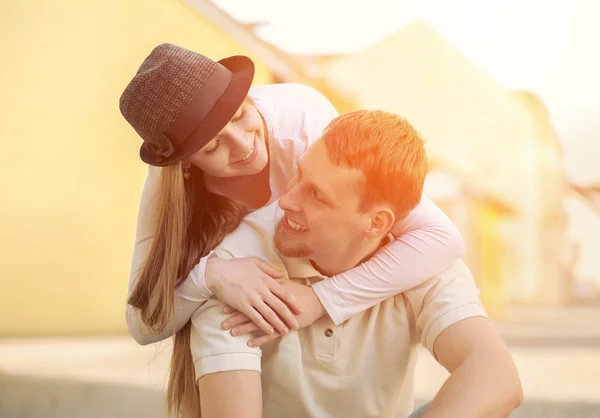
(290, 200)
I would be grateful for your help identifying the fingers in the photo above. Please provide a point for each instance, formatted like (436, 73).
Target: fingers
(287, 297)
(245, 328)
(263, 339)
(234, 320)
(282, 310)
(228, 309)
(269, 269)
(257, 317)
(270, 316)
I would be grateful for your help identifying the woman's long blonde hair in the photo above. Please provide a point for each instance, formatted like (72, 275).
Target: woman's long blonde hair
(191, 222)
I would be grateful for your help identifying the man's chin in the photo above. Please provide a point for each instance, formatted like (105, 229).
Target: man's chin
(294, 251)
(289, 248)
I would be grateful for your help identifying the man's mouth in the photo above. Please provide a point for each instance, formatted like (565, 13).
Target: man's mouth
(294, 225)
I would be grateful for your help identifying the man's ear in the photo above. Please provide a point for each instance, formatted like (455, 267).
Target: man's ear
(381, 222)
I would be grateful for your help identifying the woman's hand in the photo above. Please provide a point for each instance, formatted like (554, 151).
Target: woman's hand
(252, 287)
(240, 324)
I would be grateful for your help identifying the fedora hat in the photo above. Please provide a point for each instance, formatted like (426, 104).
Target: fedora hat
(179, 100)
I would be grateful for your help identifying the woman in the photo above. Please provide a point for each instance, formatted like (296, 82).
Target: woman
(224, 149)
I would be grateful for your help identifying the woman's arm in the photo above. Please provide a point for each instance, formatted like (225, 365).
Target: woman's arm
(427, 242)
(188, 296)
(248, 284)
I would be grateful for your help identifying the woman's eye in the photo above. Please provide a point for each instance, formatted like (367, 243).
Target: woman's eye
(240, 117)
(213, 150)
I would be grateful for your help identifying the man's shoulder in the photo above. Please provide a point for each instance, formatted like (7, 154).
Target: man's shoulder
(458, 270)
(254, 236)
(453, 286)
(265, 219)
(444, 300)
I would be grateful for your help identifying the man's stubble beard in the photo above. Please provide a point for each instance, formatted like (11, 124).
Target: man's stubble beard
(293, 250)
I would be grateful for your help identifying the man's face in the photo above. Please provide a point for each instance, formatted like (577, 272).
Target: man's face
(322, 219)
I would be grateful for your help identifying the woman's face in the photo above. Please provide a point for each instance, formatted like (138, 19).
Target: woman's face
(239, 149)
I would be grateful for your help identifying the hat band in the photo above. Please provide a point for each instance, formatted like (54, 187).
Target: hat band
(202, 103)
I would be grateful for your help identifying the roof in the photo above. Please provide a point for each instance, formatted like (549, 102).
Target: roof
(280, 63)
(469, 120)
(536, 106)
(590, 193)
(285, 67)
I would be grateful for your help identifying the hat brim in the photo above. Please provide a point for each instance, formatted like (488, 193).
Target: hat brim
(242, 69)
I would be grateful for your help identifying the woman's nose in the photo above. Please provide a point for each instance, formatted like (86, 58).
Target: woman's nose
(239, 142)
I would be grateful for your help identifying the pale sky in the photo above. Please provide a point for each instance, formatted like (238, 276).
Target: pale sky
(549, 47)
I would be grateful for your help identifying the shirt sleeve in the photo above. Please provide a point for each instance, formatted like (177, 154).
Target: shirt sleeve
(428, 242)
(215, 350)
(444, 300)
(189, 295)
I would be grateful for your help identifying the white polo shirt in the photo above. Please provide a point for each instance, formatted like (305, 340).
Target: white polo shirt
(362, 368)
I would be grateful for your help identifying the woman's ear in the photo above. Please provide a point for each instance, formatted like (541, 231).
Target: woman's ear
(381, 222)
(186, 163)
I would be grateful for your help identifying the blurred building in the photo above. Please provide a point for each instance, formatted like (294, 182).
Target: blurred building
(282, 66)
(548, 221)
(582, 204)
(498, 147)
(479, 216)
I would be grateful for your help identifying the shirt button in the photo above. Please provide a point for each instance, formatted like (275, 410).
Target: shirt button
(328, 332)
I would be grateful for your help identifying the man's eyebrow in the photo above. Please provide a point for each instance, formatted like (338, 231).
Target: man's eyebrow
(325, 196)
(322, 192)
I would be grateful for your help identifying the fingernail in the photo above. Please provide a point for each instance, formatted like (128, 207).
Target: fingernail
(250, 344)
(234, 332)
(271, 330)
(296, 325)
(285, 330)
(226, 324)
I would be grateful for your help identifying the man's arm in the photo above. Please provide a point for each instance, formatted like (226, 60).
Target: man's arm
(483, 381)
(227, 371)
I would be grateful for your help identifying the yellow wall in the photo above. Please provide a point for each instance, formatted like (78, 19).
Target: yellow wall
(70, 176)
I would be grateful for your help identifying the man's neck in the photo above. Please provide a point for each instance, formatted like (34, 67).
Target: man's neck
(337, 265)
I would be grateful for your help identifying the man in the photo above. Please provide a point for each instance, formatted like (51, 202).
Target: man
(353, 184)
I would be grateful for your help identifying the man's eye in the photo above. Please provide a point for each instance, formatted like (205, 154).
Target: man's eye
(317, 196)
